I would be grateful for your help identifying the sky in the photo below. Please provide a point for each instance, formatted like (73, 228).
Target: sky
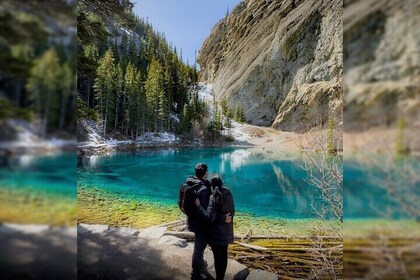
(185, 23)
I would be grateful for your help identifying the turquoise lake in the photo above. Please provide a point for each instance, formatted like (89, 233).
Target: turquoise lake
(262, 184)
(53, 174)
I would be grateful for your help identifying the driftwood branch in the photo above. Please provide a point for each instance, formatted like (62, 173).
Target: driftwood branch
(253, 247)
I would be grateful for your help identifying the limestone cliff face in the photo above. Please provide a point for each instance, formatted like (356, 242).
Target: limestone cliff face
(280, 60)
(382, 62)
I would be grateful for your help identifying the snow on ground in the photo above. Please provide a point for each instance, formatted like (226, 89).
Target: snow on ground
(27, 138)
(95, 140)
(237, 132)
(52, 144)
(206, 93)
(152, 137)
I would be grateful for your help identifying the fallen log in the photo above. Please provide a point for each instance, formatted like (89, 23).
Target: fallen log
(181, 234)
(254, 247)
(190, 235)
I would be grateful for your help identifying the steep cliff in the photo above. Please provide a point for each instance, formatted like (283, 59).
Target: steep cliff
(382, 62)
(280, 60)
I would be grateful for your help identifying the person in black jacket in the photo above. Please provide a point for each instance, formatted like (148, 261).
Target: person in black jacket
(222, 227)
(199, 221)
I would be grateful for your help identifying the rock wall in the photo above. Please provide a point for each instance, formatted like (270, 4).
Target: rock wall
(280, 60)
(382, 62)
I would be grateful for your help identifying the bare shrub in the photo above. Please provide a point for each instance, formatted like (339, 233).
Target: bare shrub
(324, 168)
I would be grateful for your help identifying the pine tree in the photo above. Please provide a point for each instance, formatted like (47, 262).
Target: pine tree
(130, 90)
(123, 49)
(141, 103)
(224, 106)
(132, 51)
(118, 92)
(104, 85)
(241, 115)
(217, 120)
(43, 85)
(155, 94)
(186, 124)
(129, 86)
(66, 87)
(169, 86)
(401, 147)
(144, 95)
(91, 53)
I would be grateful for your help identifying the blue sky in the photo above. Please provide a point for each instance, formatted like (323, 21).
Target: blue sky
(185, 23)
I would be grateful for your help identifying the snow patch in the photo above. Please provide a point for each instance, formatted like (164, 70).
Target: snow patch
(206, 93)
(175, 117)
(237, 132)
(161, 137)
(27, 138)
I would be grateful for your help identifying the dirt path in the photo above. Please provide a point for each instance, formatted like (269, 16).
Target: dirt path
(270, 138)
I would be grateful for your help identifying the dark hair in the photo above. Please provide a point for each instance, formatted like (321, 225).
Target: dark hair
(216, 181)
(200, 170)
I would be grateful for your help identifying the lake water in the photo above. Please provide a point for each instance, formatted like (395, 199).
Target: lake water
(53, 174)
(374, 187)
(262, 183)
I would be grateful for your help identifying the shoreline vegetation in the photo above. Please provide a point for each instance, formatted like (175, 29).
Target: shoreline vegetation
(96, 206)
(99, 207)
(32, 206)
(294, 255)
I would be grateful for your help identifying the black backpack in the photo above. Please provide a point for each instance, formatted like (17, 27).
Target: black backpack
(223, 200)
(186, 198)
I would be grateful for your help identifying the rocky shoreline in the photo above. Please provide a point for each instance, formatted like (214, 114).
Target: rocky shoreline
(156, 255)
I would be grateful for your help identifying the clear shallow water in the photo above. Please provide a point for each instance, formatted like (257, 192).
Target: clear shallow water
(262, 184)
(366, 188)
(53, 174)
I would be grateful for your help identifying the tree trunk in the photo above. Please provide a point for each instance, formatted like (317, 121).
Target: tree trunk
(46, 111)
(88, 93)
(17, 93)
(116, 114)
(73, 109)
(62, 110)
(144, 122)
(106, 117)
(123, 116)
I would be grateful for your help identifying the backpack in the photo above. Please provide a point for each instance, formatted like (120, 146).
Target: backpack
(223, 200)
(186, 198)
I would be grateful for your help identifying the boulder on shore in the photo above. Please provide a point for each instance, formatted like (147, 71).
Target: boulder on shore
(258, 274)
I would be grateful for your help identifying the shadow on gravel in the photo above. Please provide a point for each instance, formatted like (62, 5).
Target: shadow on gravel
(49, 254)
(112, 256)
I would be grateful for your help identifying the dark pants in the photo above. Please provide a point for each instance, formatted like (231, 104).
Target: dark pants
(200, 244)
(220, 254)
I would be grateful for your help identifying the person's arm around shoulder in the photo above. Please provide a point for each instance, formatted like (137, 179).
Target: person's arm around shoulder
(229, 216)
(209, 213)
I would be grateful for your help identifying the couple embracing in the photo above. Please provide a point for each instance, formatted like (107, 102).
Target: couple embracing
(210, 209)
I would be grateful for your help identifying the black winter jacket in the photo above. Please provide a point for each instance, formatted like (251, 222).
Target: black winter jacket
(222, 232)
(200, 221)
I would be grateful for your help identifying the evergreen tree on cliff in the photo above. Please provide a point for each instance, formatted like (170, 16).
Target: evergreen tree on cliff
(104, 85)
